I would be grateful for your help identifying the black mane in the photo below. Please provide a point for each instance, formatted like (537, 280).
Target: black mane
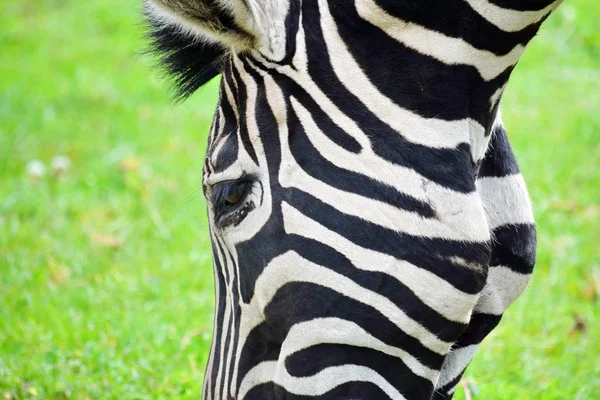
(189, 62)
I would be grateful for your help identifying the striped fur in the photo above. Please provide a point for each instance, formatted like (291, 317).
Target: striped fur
(369, 222)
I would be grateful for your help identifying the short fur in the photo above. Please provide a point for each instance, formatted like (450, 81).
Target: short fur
(366, 234)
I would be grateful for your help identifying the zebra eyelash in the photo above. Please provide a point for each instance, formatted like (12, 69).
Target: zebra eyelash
(188, 62)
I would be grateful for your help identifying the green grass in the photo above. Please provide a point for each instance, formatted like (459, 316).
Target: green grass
(105, 271)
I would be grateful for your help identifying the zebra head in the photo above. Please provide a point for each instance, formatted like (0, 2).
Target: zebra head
(352, 190)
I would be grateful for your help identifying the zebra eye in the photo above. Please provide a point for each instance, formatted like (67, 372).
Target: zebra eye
(227, 196)
(233, 199)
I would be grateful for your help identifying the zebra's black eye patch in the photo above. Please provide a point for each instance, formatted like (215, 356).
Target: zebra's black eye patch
(226, 197)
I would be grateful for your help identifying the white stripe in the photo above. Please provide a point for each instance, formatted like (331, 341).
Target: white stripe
(227, 376)
(434, 291)
(324, 330)
(258, 375)
(505, 200)
(430, 132)
(456, 361)
(446, 202)
(318, 384)
(338, 331)
(502, 288)
(217, 147)
(478, 143)
(403, 179)
(291, 267)
(207, 387)
(224, 331)
(510, 20)
(255, 221)
(208, 382)
(459, 222)
(496, 96)
(446, 49)
(331, 109)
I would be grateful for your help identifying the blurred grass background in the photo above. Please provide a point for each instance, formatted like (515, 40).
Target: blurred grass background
(105, 271)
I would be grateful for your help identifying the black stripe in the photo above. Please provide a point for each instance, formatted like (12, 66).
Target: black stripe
(284, 311)
(222, 366)
(431, 254)
(499, 159)
(514, 247)
(215, 126)
(479, 327)
(443, 393)
(292, 24)
(234, 82)
(455, 18)
(480, 99)
(412, 80)
(224, 384)
(235, 334)
(242, 127)
(311, 162)
(523, 5)
(310, 361)
(262, 344)
(451, 168)
(297, 302)
(219, 317)
(322, 120)
(350, 390)
(228, 153)
(381, 283)
(229, 118)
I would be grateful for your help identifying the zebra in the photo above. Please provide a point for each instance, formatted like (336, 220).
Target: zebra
(368, 219)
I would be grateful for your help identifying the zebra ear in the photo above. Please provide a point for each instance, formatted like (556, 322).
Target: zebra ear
(194, 37)
(238, 25)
